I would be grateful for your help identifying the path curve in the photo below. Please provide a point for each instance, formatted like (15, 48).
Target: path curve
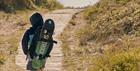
(54, 63)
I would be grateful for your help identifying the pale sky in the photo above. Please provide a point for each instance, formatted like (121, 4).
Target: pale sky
(77, 3)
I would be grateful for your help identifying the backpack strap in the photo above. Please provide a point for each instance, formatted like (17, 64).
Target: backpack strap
(54, 41)
(30, 42)
(30, 39)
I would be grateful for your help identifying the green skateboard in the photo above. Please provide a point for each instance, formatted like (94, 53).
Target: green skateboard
(43, 45)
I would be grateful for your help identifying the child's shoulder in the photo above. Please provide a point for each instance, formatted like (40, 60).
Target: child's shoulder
(29, 30)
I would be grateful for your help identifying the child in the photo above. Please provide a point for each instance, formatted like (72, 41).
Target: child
(29, 43)
(36, 21)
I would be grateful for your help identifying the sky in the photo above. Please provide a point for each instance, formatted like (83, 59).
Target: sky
(77, 3)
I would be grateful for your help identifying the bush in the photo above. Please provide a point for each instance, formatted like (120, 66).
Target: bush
(40, 2)
(12, 5)
(108, 41)
(2, 59)
(124, 61)
(89, 11)
(53, 4)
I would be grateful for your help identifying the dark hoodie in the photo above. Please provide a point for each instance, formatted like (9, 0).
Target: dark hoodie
(36, 21)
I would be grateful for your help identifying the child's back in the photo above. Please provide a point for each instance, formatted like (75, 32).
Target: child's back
(36, 22)
(32, 37)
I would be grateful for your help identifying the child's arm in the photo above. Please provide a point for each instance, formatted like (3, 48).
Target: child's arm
(25, 40)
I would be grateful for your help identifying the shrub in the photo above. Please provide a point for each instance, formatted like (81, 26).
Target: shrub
(12, 5)
(124, 61)
(90, 11)
(2, 59)
(53, 4)
(108, 41)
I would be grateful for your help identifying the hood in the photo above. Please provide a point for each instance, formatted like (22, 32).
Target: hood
(36, 20)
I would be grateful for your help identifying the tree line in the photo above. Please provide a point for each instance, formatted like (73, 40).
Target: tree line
(13, 5)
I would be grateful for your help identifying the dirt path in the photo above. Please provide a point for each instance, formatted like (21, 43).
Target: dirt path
(61, 18)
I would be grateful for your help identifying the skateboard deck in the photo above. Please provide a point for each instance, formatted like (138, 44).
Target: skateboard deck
(42, 46)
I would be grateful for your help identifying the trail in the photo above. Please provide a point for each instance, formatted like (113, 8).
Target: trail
(54, 63)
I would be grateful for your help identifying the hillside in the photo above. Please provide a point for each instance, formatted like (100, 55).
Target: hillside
(14, 20)
(104, 37)
(11, 6)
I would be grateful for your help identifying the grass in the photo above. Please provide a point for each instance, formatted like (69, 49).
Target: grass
(119, 56)
(109, 41)
(118, 59)
(2, 59)
(12, 6)
(9, 43)
(14, 41)
(53, 4)
(20, 16)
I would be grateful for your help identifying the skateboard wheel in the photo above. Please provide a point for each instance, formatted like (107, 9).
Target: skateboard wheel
(45, 31)
(46, 37)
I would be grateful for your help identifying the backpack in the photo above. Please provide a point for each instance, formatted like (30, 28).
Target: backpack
(32, 41)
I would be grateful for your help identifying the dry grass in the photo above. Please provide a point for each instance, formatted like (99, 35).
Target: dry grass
(12, 28)
(10, 6)
(107, 41)
(11, 33)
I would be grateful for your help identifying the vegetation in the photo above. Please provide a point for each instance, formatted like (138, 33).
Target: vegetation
(53, 4)
(13, 25)
(107, 39)
(2, 59)
(12, 5)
